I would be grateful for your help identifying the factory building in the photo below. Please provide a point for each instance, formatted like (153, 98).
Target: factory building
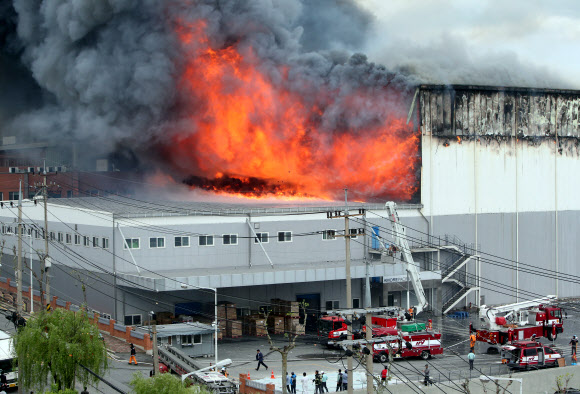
(496, 212)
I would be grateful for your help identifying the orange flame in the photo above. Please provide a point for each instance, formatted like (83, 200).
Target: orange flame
(250, 135)
(459, 139)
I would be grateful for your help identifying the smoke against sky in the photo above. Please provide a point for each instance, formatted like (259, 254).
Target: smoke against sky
(514, 43)
(111, 72)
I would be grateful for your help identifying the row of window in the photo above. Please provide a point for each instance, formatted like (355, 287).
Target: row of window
(330, 235)
(95, 242)
(159, 242)
(331, 305)
(204, 240)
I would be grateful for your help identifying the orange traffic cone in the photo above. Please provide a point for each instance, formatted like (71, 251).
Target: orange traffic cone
(272, 376)
(248, 376)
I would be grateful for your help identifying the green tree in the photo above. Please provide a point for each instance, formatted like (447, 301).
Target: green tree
(55, 344)
(164, 383)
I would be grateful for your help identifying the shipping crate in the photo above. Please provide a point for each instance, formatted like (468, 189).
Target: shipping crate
(233, 328)
(282, 307)
(255, 325)
(227, 311)
(293, 326)
(275, 324)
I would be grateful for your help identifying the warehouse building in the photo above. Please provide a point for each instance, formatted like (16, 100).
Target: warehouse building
(496, 207)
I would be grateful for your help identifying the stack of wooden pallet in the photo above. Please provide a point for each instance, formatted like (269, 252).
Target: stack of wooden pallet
(292, 326)
(255, 325)
(276, 324)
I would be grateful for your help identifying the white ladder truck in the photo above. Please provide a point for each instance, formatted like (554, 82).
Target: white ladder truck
(522, 320)
(401, 243)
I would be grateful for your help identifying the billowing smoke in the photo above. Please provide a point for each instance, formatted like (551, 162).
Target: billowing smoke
(104, 68)
(131, 77)
(105, 71)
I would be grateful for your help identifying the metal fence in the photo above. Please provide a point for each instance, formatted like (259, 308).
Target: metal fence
(457, 376)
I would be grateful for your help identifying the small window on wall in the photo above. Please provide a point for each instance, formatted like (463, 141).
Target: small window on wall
(77, 239)
(356, 303)
(131, 243)
(157, 242)
(105, 243)
(182, 242)
(261, 238)
(331, 305)
(60, 237)
(52, 237)
(230, 239)
(13, 196)
(353, 233)
(189, 340)
(68, 238)
(329, 235)
(95, 242)
(206, 240)
(284, 236)
(133, 320)
(86, 241)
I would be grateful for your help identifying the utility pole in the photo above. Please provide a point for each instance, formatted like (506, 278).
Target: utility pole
(368, 341)
(46, 258)
(155, 351)
(347, 235)
(19, 269)
(348, 292)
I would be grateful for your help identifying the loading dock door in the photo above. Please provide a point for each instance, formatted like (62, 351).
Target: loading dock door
(312, 310)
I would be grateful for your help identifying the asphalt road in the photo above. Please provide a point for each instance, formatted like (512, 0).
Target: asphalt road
(309, 355)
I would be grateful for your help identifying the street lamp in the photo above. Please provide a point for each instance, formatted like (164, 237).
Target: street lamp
(215, 321)
(485, 379)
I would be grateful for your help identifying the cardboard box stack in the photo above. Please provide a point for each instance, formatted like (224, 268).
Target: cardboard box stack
(164, 317)
(276, 324)
(222, 326)
(284, 308)
(227, 311)
(292, 326)
(254, 325)
(234, 328)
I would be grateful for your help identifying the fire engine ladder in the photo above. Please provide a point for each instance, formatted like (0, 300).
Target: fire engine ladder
(450, 274)
(400, 240)
(176, 360)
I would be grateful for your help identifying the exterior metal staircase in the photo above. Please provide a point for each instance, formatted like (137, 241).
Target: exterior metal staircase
(455, 273)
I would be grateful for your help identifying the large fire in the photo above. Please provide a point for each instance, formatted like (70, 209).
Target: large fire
(249, 133)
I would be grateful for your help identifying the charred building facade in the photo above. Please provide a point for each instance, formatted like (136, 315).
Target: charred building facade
(497, 222)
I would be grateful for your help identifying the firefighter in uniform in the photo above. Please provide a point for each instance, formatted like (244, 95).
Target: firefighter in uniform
(472, 340)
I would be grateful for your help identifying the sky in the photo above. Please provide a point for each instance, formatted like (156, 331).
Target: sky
(483, 40)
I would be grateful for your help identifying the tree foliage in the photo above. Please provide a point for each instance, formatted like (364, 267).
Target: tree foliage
(164, 383)
(55, 344)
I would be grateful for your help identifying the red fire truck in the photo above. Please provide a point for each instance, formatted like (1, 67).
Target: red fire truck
(333, 328)
(530, 355)
(516, 322)
(422, 344)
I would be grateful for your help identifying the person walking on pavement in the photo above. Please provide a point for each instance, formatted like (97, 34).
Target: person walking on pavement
(293, 383)
(472, 340)
(303, 382)
(471, 357)
(384, 374)
(426, 373)
(339, 381)
(323, 384)
(344, 380)
(288, 382)
(574, 343)
(133, 352)
(260, 360)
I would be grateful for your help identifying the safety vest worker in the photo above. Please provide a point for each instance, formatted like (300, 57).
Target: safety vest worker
(472, 340)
